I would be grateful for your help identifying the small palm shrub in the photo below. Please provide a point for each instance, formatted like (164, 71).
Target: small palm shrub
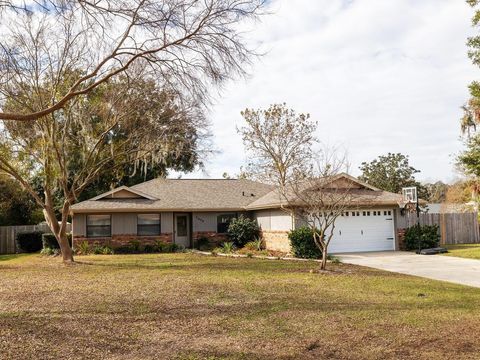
(97, 249)
(83, 248)
(228, 247)
(107, 250)
(256, 245)
(242, 230)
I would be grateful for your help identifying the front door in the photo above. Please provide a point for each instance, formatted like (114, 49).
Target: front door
(182, 230)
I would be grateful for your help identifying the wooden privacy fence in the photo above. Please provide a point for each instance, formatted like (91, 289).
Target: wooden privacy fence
(8, 235)
(455, 228)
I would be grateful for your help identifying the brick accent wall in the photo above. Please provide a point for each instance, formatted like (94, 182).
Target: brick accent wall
(213, 237)
(276, 240)
(401, 239)
(121, 240)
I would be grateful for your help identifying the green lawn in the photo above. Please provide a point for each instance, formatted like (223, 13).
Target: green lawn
(187, 306)
(469, 251)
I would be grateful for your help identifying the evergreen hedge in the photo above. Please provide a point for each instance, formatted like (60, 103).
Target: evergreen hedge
(427, 235)
(302, 243)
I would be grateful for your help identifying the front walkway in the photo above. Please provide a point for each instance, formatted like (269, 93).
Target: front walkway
(437, 267)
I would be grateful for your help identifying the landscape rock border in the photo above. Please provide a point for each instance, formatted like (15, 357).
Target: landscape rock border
(263, 257)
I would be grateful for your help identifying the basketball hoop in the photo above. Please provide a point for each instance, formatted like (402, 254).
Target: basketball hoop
(409, 202)
(410, 194)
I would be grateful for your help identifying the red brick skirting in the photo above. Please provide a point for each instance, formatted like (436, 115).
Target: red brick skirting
(401, 239)
(121, 240)
(212, 236)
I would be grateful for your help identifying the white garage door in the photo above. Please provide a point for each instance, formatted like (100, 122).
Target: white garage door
(363, 230)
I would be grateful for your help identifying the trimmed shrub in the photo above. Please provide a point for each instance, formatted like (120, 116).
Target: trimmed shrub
(242, 230)
(50, 241)
(50, 252)
(302, 243)
(203, 243)
(125, 249)
(423, 236)
(150, 249)
(29, 242)
(170, 248)
(135, 247)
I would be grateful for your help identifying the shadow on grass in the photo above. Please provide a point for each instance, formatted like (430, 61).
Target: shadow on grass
(13, 256)
(199, 262)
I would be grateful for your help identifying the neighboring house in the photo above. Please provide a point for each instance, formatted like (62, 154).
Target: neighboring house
(448, 208)
(184, 210)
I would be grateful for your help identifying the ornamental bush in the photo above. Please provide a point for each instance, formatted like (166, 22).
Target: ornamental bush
(29, 242)
(427, 235)
(302, 243)
(50, 241)
(135, 247)
(242, 230)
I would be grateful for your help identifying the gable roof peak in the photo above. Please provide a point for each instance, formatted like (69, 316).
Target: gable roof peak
(123, 188)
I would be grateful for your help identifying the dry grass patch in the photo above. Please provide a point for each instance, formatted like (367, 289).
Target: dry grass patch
(468, 251)
(187, 306)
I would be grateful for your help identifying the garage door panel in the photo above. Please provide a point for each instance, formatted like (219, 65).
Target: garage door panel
(364, 232)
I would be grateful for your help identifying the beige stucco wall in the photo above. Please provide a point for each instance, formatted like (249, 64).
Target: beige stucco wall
(274, 220)
(263, 219)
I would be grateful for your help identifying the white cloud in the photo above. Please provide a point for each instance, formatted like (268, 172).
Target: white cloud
(378, 75)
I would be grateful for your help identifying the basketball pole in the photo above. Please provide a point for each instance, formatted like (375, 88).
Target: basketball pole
(418, 224)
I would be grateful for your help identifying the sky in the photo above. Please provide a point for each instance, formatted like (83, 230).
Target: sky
(378, 76)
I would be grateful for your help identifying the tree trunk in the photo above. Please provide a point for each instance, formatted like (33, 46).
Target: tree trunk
(67, 253)
(59, 230)
(323, 264)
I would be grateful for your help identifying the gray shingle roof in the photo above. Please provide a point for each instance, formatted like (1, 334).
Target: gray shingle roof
(360, 197)
(184, 194)
(216, 195)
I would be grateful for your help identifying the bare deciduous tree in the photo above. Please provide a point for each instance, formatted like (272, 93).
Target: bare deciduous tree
(185, 45)
(320, 196)
(120, 122)
(279, 143)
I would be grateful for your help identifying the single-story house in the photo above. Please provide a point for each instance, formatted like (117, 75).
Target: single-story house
(448, 208)
(184, 210)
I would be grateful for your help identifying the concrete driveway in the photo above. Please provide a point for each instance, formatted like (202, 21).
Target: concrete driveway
(437, 267)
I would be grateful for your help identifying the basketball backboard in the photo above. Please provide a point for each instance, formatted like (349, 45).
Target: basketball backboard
(409, 194)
